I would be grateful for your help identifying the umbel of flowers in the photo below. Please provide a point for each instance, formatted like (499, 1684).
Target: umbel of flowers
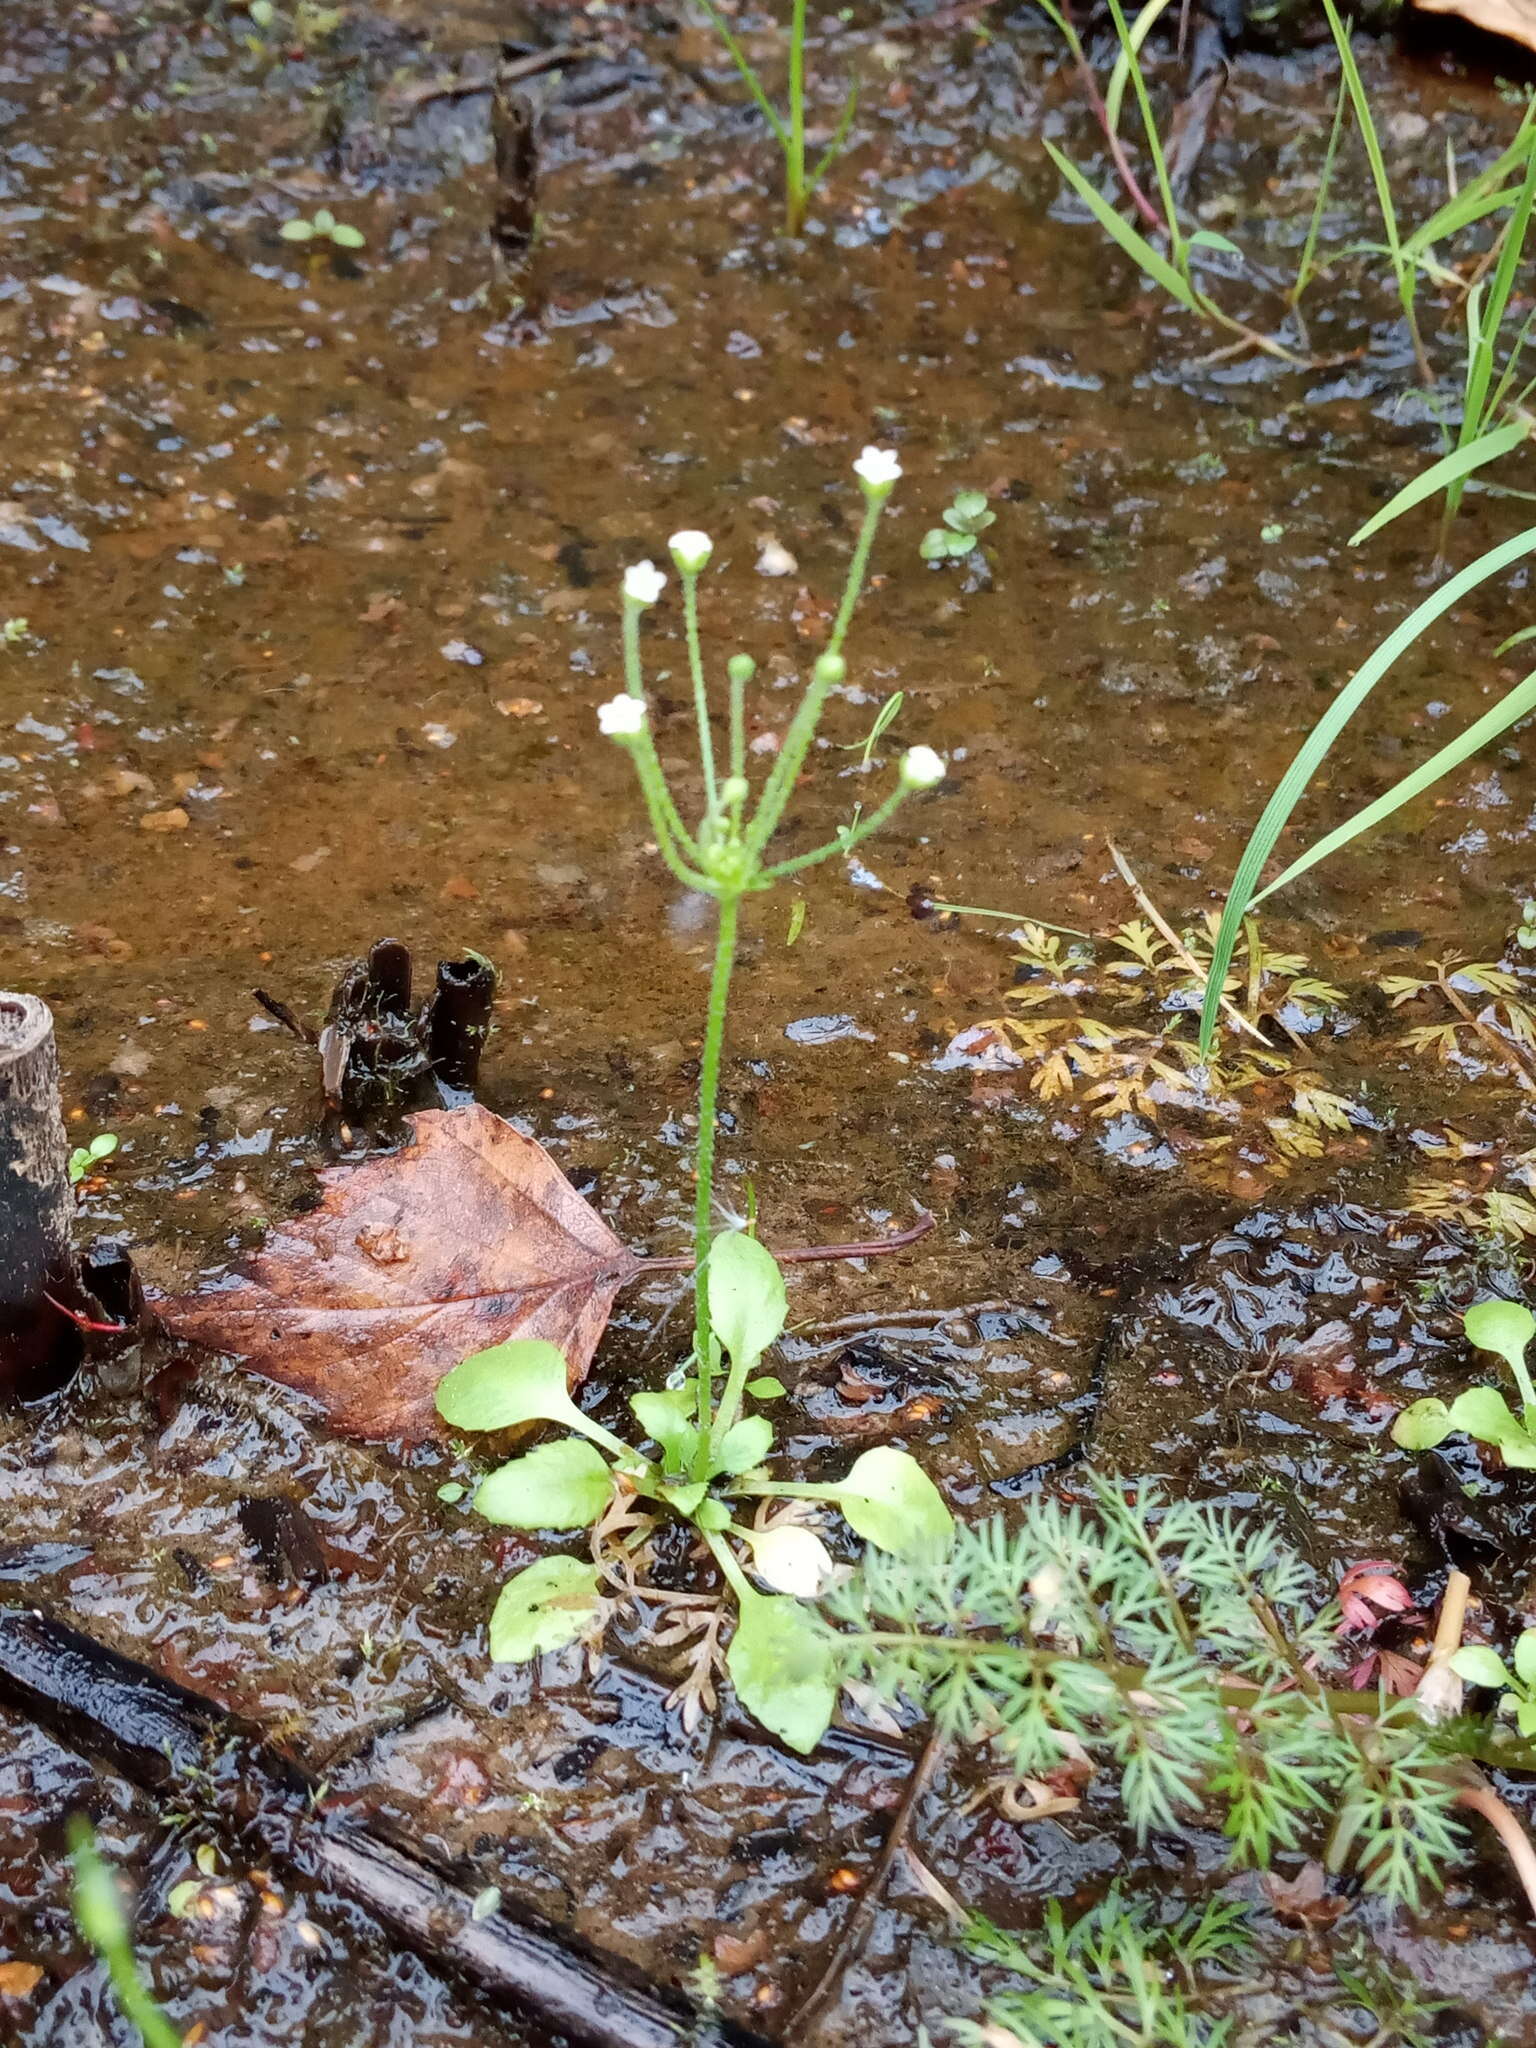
(726, 854)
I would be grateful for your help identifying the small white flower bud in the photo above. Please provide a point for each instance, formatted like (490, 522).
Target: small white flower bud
(921, 768)
(690, 549)
(878, 469)
(643, 583)
(830, 670)
(734, 790)
(621, 717)
(792, 1560)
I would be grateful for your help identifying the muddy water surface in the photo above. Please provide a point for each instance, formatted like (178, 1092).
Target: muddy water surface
(318, 554)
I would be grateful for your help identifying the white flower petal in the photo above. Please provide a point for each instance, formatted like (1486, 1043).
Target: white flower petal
(690, 549)
(879, 468)
(621, 717)
(643, 583)
(922, 768)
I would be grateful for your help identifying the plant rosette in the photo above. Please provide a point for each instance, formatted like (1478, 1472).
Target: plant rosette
(1479, 1665)
(965, 520)
(782, 1656)
(1505, 1328)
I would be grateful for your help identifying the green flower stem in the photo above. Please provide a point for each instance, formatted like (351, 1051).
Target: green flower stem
(858, 568)
(738, 723)
(802, 727)
(634, 680)
(786, 1489)
(795, 194)
(690, 581)
(704, 1163)
(846, 843)
(672, 835)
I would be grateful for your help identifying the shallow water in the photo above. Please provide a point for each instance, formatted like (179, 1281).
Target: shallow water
(319, 563)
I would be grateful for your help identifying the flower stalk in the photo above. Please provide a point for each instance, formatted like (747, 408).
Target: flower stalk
(724, 856)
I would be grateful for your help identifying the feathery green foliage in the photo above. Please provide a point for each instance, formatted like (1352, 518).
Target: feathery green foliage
(1113, 1978)
(1175, 1645)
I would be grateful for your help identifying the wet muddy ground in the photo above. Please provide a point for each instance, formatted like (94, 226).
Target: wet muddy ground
(318, 558)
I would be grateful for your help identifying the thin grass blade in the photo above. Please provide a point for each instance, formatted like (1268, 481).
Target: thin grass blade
(1120, 77)
(1507, 712)
(1136, 246)
(1451, 469)
(749, 77)
(834, 148)
(1292, 785)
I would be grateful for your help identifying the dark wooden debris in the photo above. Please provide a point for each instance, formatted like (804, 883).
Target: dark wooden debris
(160, 1736)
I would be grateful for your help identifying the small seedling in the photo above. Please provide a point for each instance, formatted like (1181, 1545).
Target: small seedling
(85, 1158)
(14, 631)
(965, 521)
(324, 227)
(788, 129)
(1479, 1665)
(1506, 1329)
(99, 1915)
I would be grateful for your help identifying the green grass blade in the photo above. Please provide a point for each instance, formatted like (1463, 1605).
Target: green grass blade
(1154, 140)
(1292, 785)
(1480, 196)
(834, 148)
(1136, 246)
(1452, 469)
(1120, 77)
(749, 77)
(1319, 205)
(1520, 700)
(1367, 126)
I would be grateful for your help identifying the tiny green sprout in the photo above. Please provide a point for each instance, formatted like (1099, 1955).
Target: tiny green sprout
(324, 227)
(1527, 932)
(1505, 1328)
(1273, 532)
(101, 1917)
(14, 631)
(965, 520)
(85, 1158)
(1479, 1665)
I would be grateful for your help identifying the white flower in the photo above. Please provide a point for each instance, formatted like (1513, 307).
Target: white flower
(621, 717)
(690, 549)
(792, 1560)
(878, 468)
(643, 583)
(922, 768)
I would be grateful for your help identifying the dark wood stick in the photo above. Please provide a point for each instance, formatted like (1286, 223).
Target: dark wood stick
(809, 1254)
(158, 1735)
(856, 1932)
(40, 1347)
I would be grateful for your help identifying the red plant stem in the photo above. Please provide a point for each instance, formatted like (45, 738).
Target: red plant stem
(84, 1322)
(804, 1255)
(1138, 198)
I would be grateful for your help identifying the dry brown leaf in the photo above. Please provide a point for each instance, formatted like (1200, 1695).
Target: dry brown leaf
(19, 1980)
(469, 1236)
(1306, 1898)
(1513, 18)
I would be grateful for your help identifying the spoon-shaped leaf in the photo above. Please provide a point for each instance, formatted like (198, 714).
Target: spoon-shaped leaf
(782, 1666)
(522, 1380)
(559, 1486)
(1505, 1328)
(890, 1500)
(747, 1302)
(550, 1604)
